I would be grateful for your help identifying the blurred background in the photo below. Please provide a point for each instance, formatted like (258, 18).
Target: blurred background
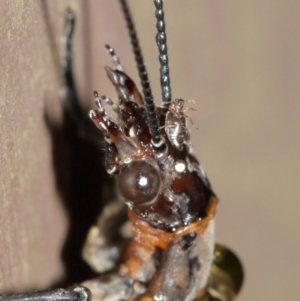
(239, 61)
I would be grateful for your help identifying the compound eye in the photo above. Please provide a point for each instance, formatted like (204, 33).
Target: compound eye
(139, 182)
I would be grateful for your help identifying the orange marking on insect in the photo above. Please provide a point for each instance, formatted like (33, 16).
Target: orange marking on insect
(145, 239)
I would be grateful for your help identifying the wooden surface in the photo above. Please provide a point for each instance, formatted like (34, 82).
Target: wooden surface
(32, 220)
(239, 61)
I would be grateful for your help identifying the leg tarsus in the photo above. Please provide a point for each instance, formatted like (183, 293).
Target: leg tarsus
(69, 94)
(79, 293)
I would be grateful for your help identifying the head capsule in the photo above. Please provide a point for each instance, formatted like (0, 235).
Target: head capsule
(167, 189)
(147, 147)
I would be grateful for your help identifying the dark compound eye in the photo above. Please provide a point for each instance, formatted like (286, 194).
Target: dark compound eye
(139, 182)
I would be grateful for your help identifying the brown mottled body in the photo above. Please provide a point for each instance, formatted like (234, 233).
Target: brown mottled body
(158, 264)
(176, 265)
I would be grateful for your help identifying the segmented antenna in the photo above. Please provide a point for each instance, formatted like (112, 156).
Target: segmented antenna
(107, 100)
(148, 98)
(114, 57)
(98, 103)
(161, 40)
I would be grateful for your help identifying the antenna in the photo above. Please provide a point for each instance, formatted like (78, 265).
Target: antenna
(114, 57)
(161, 40)
(157, 141)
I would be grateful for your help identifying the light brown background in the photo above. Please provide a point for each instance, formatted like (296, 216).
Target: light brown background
(239, 60)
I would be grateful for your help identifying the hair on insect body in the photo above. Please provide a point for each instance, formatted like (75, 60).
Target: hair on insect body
(164, 248)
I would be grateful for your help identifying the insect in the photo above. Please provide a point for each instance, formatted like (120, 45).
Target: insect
(165, 249)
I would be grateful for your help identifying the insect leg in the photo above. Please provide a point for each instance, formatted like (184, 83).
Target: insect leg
(112, 287)
(69, 94)
(104, 242)
(79, 293)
